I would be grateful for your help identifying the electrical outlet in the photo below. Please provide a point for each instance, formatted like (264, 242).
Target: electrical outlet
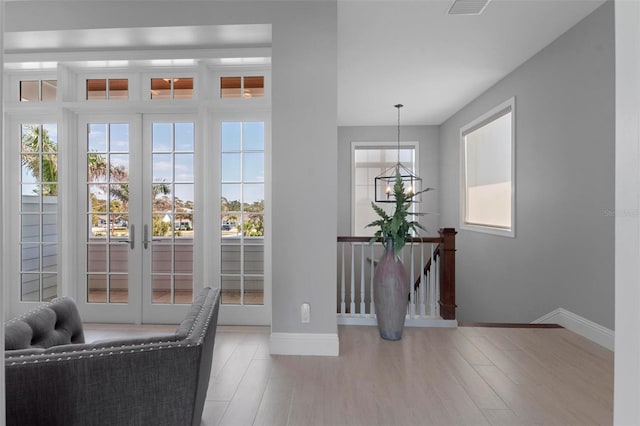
(305, 313)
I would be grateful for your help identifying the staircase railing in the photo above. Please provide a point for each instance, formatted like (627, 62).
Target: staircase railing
(427, 267)
(432, 298)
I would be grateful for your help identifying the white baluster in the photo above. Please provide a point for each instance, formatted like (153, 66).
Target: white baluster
(432, 283)
(436, 287)
(352, 298)
(342, 283)
(423, 282)
(372, 306)
(412, 301)
(362, 256)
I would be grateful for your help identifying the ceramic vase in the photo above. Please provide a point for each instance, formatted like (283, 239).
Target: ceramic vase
(390, 294)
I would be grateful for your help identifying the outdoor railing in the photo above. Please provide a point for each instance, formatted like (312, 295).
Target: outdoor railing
(430, 266)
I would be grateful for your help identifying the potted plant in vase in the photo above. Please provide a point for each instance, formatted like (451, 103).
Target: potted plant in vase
(390, 282)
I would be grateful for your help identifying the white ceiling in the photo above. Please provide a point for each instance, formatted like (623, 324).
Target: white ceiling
(412, 52)
(389, 51)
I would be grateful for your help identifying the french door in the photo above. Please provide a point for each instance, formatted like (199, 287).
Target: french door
(137, 199)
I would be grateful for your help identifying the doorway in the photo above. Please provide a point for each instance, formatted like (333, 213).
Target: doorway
(137, 195)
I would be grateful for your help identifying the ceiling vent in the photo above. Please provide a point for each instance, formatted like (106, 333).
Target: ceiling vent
(468, 7)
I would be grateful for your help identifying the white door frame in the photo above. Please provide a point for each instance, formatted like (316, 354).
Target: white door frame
(139, 309)
(11, 194)
(241, 314)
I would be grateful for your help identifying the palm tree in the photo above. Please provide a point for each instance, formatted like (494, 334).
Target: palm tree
(40, 156)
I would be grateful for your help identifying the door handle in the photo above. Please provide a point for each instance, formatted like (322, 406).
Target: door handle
(145, 237)
(132, 237)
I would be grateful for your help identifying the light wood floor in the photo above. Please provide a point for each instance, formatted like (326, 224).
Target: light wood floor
(463, 376)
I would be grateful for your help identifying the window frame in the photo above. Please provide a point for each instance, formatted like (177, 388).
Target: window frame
(509, 106)
(71, 105)
(377, 145)
(233, 313)
(13, 195)
(253, 71)
(173, 74)
(101, 73)
(12, 86)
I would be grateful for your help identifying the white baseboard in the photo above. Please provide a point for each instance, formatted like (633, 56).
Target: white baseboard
(580, 325)
(320, 344)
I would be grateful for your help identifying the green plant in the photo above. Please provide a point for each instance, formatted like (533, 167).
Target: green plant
(160, 227)
(396, 227)
(254, 227)
(40, 156)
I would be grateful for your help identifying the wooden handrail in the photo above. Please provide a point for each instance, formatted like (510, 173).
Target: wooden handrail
(379, 240)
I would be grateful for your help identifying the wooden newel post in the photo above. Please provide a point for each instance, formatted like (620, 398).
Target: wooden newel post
(447, 300)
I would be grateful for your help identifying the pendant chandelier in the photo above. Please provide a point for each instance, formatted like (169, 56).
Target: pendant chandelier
(384, 182)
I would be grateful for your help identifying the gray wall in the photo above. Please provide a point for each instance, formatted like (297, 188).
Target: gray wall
(563, 252)
(428, 162)
(304, 123)
(304, 164)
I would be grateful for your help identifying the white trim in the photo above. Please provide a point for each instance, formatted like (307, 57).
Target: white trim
(510, 107)
(319, 344)
(579, 325)
(80, 58)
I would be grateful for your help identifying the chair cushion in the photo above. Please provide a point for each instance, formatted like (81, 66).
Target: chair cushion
(55, 323)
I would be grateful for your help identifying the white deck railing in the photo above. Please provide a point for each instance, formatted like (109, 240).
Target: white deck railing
(356, 267)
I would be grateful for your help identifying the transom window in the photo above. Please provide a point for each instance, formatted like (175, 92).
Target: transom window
(38, 90)
(488, 172)
(242, 87)
(172, 88)
(105, 88)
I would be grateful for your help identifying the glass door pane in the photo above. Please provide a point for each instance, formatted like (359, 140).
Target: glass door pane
(172, 208)
(39, 192)
(242, 212)
(107, 213)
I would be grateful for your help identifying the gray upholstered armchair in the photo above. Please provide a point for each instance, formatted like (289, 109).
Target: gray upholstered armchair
(54, 378)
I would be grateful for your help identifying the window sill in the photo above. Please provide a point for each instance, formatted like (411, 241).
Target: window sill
(488, 230)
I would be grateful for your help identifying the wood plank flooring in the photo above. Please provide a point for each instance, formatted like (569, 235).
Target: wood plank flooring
(463, 376)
